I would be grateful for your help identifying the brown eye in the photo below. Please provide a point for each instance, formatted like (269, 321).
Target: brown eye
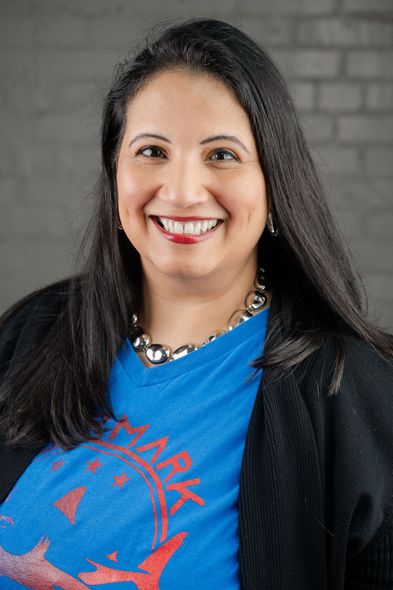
(153, 149)
(224, 152)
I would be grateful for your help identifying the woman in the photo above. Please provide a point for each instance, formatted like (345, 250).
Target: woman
(152, 435)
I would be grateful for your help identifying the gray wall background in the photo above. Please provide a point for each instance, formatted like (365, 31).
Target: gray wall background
(56, 62)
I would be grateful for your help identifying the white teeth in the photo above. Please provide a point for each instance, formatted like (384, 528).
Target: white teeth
(189, 228)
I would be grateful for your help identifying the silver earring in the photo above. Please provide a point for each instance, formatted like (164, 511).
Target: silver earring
(270, 225)
(119, 226)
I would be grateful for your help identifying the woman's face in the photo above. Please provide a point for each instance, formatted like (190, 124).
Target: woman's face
(191, 201)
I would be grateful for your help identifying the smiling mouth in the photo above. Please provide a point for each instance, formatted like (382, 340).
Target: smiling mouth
(196, 227)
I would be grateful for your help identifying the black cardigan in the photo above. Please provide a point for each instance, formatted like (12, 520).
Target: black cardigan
(316, 488)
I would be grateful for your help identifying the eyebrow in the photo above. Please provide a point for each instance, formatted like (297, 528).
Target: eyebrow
(207, 140)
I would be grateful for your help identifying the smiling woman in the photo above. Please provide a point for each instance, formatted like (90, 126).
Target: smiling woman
(207, 383)
(169, 193)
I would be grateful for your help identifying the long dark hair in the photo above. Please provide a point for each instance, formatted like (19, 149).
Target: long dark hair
(58, 391)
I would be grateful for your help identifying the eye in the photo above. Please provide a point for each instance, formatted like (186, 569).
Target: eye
(153, 150)
(225, 152)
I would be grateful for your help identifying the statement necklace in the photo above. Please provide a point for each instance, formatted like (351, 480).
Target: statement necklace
(158, 354)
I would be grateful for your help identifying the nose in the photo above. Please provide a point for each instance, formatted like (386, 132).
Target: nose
(184, 184)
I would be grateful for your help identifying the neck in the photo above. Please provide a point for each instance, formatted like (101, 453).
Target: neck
(179, 311)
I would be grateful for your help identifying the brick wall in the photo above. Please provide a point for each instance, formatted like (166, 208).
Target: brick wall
(56, 60)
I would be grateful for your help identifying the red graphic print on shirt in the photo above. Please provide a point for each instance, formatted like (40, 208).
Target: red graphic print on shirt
(69, 503)
(34, 571)
(139, 460)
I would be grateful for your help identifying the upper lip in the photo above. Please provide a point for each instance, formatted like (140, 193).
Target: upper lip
(194, 218)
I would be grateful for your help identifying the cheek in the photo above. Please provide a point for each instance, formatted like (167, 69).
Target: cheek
(130, 191)
(249, 205)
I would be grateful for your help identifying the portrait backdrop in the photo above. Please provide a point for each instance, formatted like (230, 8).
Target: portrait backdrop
(56, 63)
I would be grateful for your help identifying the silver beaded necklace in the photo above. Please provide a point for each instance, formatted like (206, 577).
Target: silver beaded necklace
(158, 354)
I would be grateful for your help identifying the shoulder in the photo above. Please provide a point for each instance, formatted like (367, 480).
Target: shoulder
(26, 322)
(365, 398)
(363, 365)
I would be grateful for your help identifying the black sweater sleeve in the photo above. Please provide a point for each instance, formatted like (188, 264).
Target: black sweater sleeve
(354, 436)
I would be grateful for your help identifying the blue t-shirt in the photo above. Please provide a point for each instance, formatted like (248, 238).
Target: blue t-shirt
(153, 503)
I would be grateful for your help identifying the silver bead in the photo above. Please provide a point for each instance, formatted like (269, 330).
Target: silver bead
(140, 342)
(183, 350)
(158, 354)
(260, 282)
(255, 300)
(134, 319)
(214, 336)
(240, 316)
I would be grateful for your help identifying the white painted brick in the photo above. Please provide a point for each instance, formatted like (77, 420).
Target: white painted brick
(64, 127)
(318, 128)
(20, 9)
(369, 64)
(383, 189)
(317, 63)
(283, 60)
(295, 7)
(304, 95)
(339, 96)
(10, 190)
(269, 31)
(380, 286)
(31, 221)
(364, 192)
(17, 95)
(364, 248)
(64, 32)
(365, 128)
(117, 32)
(15, 62)
(86, 65)
(169, 9)
(8, 159)
(379, 96)
(57, 189)
(31, 264)
(368, 6)
(338, 159)
(16, 32)
(379, 161)
(66, 97)
(341, 32)
(36, 159)
(74, 159)
(380, 226)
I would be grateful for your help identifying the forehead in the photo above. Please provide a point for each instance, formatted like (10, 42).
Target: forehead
(178, 95)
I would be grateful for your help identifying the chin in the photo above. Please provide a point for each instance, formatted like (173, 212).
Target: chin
(190, 269)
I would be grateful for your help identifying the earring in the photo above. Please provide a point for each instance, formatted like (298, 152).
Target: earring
(270, 225)
(119, 226)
